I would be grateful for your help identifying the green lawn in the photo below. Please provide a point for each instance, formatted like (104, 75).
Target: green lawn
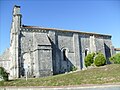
(98, 75)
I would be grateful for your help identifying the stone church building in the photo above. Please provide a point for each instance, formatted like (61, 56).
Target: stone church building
(46, 51)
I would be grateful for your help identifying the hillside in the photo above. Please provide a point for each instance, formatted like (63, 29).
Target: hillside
(99, 75)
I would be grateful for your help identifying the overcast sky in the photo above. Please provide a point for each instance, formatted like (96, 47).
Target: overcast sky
(100, 16)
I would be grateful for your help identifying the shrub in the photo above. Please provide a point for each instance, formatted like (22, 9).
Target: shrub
(89, 59)
(100, 60)
(73, 68)
(115, 58)
(3, 74)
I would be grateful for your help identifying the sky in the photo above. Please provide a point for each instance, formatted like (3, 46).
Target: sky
(99, 16)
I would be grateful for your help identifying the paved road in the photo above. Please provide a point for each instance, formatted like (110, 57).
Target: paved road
(102, 87)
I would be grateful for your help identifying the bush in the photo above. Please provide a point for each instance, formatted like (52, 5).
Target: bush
(100, 60)
(73, 68)
(3, 74)
(115, 58)
(89, 59)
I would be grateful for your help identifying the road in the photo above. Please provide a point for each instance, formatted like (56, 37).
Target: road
(98, 87)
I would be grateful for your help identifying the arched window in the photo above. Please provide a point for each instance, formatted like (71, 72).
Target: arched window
(64, 54)
(86, 51)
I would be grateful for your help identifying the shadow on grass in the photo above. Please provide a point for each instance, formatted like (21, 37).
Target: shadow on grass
(10, 80)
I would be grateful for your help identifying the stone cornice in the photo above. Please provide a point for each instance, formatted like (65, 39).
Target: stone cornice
(42, 29)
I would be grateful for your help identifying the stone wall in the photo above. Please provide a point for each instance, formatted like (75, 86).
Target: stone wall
(108, 48)
(65, 42)
(45, 49)
(36, 53)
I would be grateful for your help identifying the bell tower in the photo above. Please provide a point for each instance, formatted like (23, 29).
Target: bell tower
(14, 41)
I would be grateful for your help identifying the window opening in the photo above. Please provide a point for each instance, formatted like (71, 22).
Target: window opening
(86, 52)
(64, 54)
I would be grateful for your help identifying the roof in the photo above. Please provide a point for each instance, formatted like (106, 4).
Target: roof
(64, 30)
(42, 39)
(117, 49)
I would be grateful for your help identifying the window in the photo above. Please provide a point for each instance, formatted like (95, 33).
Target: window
(64, 54)
(86, 51)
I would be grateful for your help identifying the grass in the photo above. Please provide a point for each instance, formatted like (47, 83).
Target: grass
(99, 75)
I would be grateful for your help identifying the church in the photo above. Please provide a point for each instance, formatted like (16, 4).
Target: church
(41, 51)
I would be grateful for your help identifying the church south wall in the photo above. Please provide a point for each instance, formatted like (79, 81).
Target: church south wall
(64, 42)
(95, 43)
(84, 45)
(76, 48)
(99, 43)
(68, 41)
(74, 43)
(104, 45)
(109, 51)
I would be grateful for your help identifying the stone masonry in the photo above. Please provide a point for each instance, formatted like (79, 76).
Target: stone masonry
(47, 51)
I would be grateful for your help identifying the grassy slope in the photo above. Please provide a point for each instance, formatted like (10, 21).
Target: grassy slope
(99, 75)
